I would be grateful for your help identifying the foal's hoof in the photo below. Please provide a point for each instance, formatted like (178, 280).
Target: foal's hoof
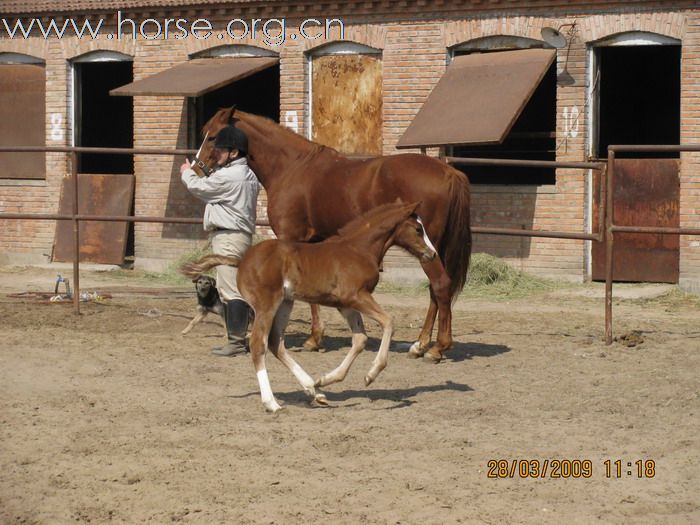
(273, 408)
(320, 399)
(310, 346)
(368, 380)
(415, 352)
(432, 357)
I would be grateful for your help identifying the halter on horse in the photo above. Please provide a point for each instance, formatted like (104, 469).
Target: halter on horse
(341, 272)
(313, 191)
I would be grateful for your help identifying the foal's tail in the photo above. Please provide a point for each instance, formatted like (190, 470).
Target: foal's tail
(195, 268)
(456, 244)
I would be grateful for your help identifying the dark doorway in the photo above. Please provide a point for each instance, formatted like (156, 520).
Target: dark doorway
(258, 94)
(102, 120)
(639, 104)
(640, 97)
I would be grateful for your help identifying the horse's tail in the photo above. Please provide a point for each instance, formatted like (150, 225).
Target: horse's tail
(456, 244)
(195, 268)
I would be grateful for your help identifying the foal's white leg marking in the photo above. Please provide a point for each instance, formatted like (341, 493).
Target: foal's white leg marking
(279, 325)
(268, 399)
(303, 378)
(382, 358)
(426, 240)
(380, 361)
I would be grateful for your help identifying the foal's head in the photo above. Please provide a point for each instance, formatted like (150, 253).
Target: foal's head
(411, 235)
(392, 223)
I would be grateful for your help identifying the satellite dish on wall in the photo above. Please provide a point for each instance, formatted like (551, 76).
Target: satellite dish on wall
(553, 37)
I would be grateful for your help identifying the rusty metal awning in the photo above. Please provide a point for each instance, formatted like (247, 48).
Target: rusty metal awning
(478, 99)
(196, 77)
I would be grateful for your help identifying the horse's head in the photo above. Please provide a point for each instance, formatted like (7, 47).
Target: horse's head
(411, 235)
(400, 224)
(205, 161)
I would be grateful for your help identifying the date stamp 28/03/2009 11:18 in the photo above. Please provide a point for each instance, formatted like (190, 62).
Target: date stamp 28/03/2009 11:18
(569, 468)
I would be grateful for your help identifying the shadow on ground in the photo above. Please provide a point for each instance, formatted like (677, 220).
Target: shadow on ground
(401, 397)
(458, 352)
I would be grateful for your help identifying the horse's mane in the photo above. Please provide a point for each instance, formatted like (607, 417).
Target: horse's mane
(261, 121)
(372, 217)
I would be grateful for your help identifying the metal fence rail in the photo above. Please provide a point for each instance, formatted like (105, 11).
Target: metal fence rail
(611, 228)
(606, 232)
(594, 236)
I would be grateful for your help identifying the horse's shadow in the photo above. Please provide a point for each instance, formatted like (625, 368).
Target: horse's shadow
(459, 351)
(402, 397)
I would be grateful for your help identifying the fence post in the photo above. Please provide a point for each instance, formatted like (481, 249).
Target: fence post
(76, 233)
(609, 245)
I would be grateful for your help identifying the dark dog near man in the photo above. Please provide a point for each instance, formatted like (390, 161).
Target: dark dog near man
(208, 300)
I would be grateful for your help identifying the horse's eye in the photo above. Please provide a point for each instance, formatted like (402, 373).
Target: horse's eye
(211, 139)
(419, 230)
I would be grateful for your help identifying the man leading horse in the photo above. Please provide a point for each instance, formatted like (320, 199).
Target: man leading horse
(231, 193)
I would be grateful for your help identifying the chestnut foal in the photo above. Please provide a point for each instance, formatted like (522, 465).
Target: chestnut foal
(341, 271)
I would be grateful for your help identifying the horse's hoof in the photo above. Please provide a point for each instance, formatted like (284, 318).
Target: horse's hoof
(310, 346)
(432, 357)
(321, 399)
(368, 380)
(272, 408)
(415, 352)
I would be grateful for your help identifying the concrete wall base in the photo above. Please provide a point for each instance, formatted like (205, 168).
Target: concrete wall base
(690, 284)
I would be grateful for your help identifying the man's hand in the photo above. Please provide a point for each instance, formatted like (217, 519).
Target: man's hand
(185, 166)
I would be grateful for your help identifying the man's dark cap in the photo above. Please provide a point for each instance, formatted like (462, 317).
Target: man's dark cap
(232, 138)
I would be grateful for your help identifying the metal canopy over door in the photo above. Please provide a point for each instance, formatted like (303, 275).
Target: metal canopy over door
(478, 99)
(196, 77)
(346, 107)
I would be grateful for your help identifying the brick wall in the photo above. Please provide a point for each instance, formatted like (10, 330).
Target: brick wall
(414, 44)
(690, 162)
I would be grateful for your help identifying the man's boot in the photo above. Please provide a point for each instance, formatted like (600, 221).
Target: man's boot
(236, 315)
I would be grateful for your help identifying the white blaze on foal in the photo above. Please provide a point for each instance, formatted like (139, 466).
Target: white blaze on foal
(426, 239)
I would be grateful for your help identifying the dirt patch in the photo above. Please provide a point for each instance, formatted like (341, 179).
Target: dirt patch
(113, 417)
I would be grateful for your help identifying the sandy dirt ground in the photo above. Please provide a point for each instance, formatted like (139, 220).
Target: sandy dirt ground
(113, 417)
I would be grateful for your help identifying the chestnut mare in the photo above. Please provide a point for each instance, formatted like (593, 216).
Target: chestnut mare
(313, 190)
(341, 271)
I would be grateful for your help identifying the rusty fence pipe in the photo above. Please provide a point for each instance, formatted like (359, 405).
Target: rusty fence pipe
(611, 227)
(609, 245)
(476, 161)
(76, 233)
(81, 149)
(603, 204)
(535, 233)
(109, 218)
(37, 216)
(656, 230)
(661, 148)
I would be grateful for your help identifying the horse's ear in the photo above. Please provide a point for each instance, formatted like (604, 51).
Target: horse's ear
(233, 112)
(414, 206)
